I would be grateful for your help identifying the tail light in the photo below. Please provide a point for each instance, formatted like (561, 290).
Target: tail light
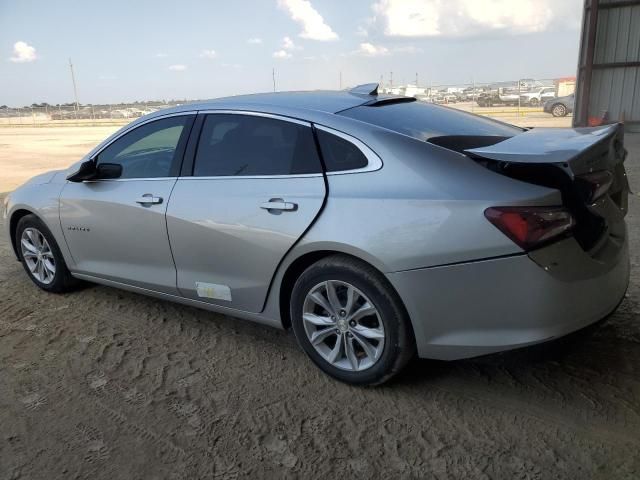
(531, 227)
(594, 185)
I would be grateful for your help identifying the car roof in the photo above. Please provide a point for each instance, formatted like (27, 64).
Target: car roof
(325, 101)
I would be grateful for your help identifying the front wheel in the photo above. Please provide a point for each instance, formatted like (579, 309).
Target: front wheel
(41, 256)
(350, 322)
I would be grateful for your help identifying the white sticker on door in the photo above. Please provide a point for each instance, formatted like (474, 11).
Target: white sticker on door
(212, 290)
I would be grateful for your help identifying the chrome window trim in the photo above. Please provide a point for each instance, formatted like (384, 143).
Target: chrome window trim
(250, 177)
(133, 127)
(140, 179)
(374, 162)
(274, 116)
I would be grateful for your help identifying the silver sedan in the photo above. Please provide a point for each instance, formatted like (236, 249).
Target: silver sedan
(376, 227)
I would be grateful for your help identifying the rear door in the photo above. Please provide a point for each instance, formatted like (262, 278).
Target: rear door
(255, 186)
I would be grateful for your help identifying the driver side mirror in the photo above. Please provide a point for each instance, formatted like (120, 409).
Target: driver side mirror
(86, 171)
(89, 171)
(106, 171)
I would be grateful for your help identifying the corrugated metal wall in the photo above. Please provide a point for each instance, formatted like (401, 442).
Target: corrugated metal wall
(609, 67)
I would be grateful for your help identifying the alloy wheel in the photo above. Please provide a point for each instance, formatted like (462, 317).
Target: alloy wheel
(559, 110)
(38, 256)
(343, 325)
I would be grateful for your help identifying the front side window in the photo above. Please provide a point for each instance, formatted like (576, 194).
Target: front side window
(148, 151)
(244, 145)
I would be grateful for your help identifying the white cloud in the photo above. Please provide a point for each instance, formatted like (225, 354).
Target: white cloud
(313, 25)
(254, 41)
(160, 55)
(281, 54)
(208, 54)
(23, 53)
(459, 18)
(177, 68)
(370, 50)
(288, 44)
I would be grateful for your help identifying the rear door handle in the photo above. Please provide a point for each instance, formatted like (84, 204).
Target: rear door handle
(149, 199)
(279, 204)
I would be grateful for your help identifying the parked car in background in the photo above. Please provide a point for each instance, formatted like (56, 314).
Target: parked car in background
(500, 96)
(559, 107)
(538, 97)
(375, 226)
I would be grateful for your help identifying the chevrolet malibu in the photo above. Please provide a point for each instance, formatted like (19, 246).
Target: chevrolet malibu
(376, 227)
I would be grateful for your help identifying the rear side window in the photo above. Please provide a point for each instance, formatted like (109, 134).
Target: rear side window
(424, 121)
(242, 145)
(339, 154)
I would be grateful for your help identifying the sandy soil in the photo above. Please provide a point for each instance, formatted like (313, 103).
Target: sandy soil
(107, 384)
(28, 151)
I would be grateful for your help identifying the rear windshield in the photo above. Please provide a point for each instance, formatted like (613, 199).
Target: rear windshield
(425, 121)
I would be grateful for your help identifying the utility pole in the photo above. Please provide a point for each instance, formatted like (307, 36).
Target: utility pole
(73, 79)
(390, 79)
(416, 79)
(273, 74)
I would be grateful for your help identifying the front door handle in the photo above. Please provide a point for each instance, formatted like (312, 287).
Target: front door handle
(149, 199)
(278, 204)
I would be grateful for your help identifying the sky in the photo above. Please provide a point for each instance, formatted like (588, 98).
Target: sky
(124, 50)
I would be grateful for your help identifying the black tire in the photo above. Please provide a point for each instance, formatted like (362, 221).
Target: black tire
(559, 110)
(534, 102)
(62, 280)
(399, 346)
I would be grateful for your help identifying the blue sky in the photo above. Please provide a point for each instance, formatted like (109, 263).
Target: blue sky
(143, 50)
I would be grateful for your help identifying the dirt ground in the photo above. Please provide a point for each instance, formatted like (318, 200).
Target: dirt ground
(107, 384)
(28, 151)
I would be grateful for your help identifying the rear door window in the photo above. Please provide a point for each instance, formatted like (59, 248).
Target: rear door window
(252, 145)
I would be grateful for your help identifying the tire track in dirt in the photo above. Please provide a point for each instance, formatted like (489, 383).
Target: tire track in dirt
(109, 384)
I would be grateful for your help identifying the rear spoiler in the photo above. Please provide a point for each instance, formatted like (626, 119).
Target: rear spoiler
(565, 146)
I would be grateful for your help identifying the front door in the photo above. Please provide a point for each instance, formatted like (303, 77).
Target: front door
(116, 229)
(257, 185)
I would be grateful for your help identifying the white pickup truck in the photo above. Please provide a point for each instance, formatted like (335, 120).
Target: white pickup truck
(538, 97)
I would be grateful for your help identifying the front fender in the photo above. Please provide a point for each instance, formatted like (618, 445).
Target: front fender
(42, 200)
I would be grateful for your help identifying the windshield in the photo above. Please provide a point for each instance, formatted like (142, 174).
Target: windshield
(425, 121)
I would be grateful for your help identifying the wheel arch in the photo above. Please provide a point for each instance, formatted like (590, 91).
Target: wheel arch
(305, 260)
(13, 226)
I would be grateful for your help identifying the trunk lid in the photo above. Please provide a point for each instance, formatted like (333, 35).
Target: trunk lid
(585, 164)
(583, 149)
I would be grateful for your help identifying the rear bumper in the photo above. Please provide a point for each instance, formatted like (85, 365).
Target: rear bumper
(488, 306)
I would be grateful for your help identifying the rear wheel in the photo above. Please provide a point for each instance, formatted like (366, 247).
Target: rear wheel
(41, 256)
(559, 110)
(350, 322)
(534, 102)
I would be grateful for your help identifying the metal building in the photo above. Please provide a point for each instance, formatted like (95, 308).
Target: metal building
(608, 85)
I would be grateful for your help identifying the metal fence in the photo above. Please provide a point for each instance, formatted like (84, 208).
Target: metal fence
(508, 99)
(77, 115)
